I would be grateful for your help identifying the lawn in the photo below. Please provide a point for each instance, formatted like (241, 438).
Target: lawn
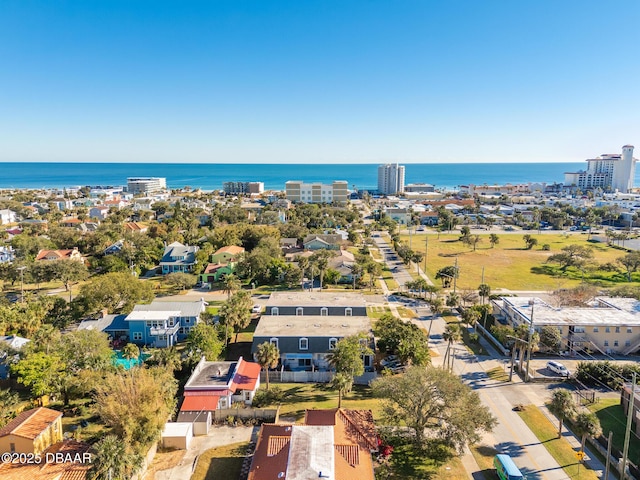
(221, 462)
(387, 276)
(559, 448)
(377, 311)
(299, 397)
(410, 464)
(613, 419)
(483, 456)
(510, 265)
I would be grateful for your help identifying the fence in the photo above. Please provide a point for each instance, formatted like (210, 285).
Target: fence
(266, 414)
(493, 340)
(313, 377)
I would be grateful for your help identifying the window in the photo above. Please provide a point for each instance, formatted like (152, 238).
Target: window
(615, 343)
(304, 344)
(324, 311)
(579, 330)
(607, 329)
(137, 335)
(595, 329)
(606, 343)
(12, 447)
(274, 311)
(332, 343)
(274, 341)
(348, 311)
(627, 343)
(171, 322)
(617, 329)
(299, 311)
(187, 320)
(629, 330)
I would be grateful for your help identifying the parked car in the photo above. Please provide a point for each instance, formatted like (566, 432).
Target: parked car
(558, 368)
(388, 360)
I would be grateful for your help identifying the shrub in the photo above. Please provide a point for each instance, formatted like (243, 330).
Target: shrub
(546, 247)
(474, 337)
(264, 398)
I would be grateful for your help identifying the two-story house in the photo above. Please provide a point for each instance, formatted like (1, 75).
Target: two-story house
(306, 327)
(163, 324)
(178, 258)
(223, 263)
(50, 255)
(322, 241)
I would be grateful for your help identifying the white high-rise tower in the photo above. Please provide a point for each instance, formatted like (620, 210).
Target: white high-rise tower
(390, 179)
(624, 171)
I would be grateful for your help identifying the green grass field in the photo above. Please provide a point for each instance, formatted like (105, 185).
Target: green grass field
(221, 462)
(510, 265)
(559, 448)
(612, 419)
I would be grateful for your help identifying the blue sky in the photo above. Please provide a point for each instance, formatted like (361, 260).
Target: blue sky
(309, 81)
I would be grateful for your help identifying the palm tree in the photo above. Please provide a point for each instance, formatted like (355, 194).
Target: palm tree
(167, 357)
(113, 460)
(231, 284)
(303, 264)
(343, 382)
(451, 334)
(484, 290)
(267, 356)
(587, 423)
(131, 351)
(437, 307)
(562, 406)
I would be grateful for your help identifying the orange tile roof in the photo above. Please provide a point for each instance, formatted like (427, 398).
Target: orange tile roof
(30, 423)
(354, 438)
(232, 249)
(52, 470)
(197, 403)
(134, 226)
(59, 253)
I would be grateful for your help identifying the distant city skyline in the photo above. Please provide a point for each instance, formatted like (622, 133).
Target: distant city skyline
(319, 81)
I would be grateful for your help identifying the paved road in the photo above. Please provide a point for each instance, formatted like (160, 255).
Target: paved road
(393, 261)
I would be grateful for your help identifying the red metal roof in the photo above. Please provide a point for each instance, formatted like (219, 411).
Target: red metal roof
(246, 376)
(199, 403)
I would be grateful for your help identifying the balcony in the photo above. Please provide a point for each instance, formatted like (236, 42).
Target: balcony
(164, 330)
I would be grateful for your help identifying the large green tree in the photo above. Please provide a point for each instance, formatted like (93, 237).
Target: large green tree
(115, 292)
(235, 313)
(347, 356)
(435, 404)
(202, 340)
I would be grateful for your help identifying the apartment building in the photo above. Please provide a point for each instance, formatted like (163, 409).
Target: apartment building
(610, 325)
(390, 179)
(301, 192)
(146, 185)
(243, 188)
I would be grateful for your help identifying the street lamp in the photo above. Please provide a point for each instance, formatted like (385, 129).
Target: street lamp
(21, 269)
(530, 345)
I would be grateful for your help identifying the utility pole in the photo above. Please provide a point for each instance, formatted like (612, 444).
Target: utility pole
(606, 469)
(530, 345)
(455, 275)
(21, 283)
(513, 359)
(630, 413)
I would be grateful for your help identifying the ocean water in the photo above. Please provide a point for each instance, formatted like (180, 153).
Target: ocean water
(274, 176)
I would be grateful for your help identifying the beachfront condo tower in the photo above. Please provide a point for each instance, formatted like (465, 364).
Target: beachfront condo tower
(390, 179)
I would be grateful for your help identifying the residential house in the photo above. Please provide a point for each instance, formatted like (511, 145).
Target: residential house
(114, 248)
(8, 216)
(322, 241)
(336, 444)
(115, 326)
(70, 222)
(343, 262)
(401, 216)
(429, 218)
(178, 258)
(100, 212)
(288, 243)
(14, 344)
(223, 263)
(7, 254)
(51, 255)
(162, 324)
(306, 327)
(32, 431)
(76, 461)
(135, 227)
(216, 385)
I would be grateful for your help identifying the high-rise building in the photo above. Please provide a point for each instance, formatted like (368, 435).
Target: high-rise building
(609, 171)
(390, 179)
(239, 188)
(317, 192)
(146, 185)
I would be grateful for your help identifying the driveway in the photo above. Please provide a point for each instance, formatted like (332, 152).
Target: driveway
(218, 437)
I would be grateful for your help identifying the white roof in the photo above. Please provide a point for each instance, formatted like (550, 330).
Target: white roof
(177, 429)
(311, 453)
(152, 315)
